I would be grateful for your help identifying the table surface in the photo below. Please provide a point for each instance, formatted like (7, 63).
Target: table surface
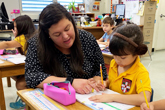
(75, 106)
(8, 69)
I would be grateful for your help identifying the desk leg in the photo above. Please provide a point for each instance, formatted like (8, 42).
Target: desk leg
(8, 82)
(2, 99)
(27, 107)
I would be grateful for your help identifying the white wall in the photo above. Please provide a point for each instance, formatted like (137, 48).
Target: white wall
(10, 5)
(103, 8)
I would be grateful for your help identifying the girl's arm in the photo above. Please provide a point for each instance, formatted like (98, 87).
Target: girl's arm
(132, 99)
(9, 44)
(100, 40)
(156, 105)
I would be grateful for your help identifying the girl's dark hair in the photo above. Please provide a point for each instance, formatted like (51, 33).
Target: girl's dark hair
(25, 26)
(108, 20)
(120, 47)
(47, 52)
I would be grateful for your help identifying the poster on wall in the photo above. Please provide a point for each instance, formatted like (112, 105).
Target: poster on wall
(132, 6)
(96, 6)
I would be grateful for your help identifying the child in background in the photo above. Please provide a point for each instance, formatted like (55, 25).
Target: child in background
(156, 105)
(108, 24)
(126, 70)
(23, 30)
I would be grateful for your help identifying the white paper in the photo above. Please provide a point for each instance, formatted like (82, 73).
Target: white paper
(83, 98)
(16, 59)
(131, 7)
(115, 1)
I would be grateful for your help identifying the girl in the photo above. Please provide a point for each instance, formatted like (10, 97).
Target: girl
(23, 30)
(126, 70)
(108, 25)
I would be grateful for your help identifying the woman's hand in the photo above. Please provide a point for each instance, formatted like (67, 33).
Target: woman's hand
(103, 98)
(83, 86)
(143, 106)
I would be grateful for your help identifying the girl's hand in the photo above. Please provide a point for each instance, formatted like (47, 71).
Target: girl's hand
(143, 106)
(101, 86)
(14, 32)
(102, 98)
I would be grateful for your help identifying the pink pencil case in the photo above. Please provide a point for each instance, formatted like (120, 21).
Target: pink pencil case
(62, 92)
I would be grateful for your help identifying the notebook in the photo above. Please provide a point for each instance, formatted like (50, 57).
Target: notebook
(83, 98)
(16, 59)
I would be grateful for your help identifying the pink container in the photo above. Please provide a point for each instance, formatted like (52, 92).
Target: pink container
(16, 11)
(65, 97)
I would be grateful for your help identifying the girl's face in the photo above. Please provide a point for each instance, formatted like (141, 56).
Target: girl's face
(107, 27)
(15, 32)
(124, 61)
(63, 35)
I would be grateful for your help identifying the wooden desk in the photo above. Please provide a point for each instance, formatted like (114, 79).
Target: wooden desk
(96, 31)
(8, 69)
(107, 58)
(5, 31)
(75, 106)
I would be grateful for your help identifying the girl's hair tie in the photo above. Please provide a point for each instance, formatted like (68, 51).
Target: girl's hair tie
(126, 39)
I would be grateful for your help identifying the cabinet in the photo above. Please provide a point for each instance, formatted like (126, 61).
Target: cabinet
(91, 15)
(147, 20)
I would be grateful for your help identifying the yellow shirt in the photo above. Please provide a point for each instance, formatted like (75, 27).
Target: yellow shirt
(128, 82)
(21, 39)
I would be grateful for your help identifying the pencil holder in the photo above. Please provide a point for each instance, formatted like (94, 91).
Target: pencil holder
(62, 92)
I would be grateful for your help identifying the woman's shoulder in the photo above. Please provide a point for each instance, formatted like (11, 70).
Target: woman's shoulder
(33, 39)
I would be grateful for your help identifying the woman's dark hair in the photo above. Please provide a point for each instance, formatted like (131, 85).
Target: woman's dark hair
(118, 46)
(25, 26)
(47, 52)
(108, 20)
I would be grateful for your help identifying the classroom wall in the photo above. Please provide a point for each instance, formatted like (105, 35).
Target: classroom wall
(10, 5)
(15, 4)
(104, 7)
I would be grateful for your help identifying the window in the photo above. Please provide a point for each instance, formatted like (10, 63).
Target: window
(35, 5)
(66, 2)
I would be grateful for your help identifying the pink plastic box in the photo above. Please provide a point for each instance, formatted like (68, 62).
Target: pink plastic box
(54, 90)
(16, 11)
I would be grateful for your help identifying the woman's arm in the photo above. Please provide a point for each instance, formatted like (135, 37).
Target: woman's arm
(36, 77)
(9, 44)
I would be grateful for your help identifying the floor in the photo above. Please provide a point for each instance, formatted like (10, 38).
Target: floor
(156, 68)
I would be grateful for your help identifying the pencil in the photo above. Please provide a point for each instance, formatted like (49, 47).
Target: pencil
(101, 74)
(144, 94)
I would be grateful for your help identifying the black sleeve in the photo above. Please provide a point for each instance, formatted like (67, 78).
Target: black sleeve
(92, 51)
(34, 73)
(98, 58)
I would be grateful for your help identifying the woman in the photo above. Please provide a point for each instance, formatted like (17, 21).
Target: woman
(61, 52)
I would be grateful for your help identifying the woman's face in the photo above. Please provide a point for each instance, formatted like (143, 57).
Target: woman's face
(63, 35)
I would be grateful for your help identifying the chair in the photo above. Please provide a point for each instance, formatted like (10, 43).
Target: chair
(152, 94)
(146, 43)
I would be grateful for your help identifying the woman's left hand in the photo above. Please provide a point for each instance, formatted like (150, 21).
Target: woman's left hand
(102, 98)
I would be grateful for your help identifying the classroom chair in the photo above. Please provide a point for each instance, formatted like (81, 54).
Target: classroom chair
(152, 94)
(146, 43)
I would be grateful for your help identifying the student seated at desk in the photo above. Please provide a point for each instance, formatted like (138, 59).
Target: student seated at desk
(62, 52)
(23, 30)
(126, 70)
(108, 25)
(155, 105)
